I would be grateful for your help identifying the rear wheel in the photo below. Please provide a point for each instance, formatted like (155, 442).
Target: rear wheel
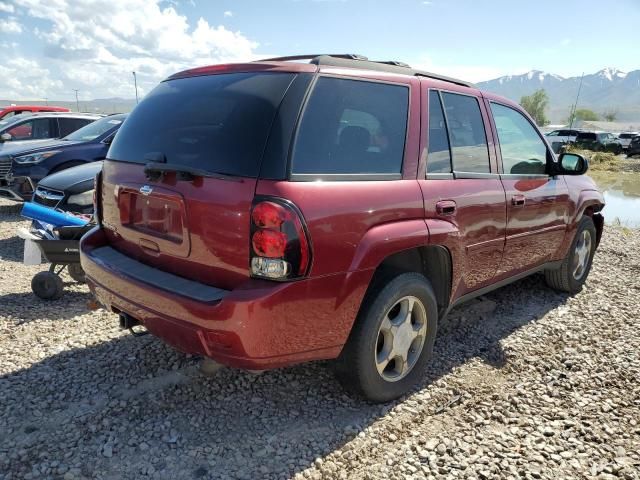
(392, 339)
(573, 271)
(47, 285)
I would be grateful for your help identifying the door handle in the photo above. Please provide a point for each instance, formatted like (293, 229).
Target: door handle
(518, 200)
(446, 207)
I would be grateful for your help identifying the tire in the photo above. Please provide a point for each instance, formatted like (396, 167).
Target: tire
(47, 285)
(76, 272)
(570, 278)
(357, 368)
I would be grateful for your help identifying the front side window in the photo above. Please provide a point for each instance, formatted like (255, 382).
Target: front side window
(31, 130)
(352, 127)
(438, 152)
(523, 151)
(466, 130)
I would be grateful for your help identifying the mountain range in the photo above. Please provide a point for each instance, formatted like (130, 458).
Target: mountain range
(609, 90)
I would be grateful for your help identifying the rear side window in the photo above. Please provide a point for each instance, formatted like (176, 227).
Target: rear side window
(522, 149)
(586, 136)
(466, 131)
(438, 153)
(218, 123)
(35, 129)
(352, 127)
(70, 125)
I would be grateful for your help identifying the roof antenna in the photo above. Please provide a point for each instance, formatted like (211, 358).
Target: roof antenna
(572, 113)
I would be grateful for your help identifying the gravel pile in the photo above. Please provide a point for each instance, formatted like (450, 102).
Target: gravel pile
(527, 383)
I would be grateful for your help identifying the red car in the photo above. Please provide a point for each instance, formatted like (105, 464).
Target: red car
(18, 109)
(276, 212)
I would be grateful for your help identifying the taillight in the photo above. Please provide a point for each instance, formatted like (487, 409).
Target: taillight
(280, 249)
(97, 180)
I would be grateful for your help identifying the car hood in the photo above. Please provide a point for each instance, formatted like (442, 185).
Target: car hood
(73, 180)
(22, 147)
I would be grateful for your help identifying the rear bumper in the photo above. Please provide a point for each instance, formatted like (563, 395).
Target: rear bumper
(259, 325)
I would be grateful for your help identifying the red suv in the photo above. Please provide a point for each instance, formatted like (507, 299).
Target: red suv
(276, 212)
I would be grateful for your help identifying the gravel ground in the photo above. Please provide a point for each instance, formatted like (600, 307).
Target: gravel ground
(527, 383)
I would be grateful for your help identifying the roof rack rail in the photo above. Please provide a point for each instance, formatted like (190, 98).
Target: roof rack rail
(352, 60)
(346, 56)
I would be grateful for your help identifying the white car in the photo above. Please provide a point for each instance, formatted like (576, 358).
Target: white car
(626, 137)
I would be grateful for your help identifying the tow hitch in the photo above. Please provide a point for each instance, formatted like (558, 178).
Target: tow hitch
(127, 322)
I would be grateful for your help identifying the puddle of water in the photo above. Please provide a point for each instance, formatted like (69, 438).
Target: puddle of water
(622, 195)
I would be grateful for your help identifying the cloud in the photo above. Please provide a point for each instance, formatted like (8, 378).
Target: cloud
(228, 13)
(94, 45)
(32, 82)
(6, 7)
(10, 25)
(426, 2)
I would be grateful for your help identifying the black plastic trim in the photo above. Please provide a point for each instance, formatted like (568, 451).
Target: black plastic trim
(439, 176)
(504, 282)
(344, 177)
(111, 259)
(476, 175)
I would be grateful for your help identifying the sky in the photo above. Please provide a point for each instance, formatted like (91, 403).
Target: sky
(51, 47)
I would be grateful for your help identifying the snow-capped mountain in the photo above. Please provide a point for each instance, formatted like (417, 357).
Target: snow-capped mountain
(609, 89)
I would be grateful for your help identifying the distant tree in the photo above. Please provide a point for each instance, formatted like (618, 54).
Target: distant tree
(535, 104)
(610, 116)
(583, 114)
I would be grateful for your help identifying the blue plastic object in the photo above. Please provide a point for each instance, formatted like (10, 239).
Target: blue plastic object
(49, 215)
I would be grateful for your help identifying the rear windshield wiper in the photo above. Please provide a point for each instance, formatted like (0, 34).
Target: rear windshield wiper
(156, 170)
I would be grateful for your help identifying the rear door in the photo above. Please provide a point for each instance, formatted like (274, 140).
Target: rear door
(193, 225)
(462, 185)
(537, 204)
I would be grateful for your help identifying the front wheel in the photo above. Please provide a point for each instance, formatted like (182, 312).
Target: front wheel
(392, 340)
(575, 268)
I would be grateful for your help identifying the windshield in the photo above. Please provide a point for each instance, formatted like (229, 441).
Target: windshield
(219, 123)
(13, 119)
(95, 129)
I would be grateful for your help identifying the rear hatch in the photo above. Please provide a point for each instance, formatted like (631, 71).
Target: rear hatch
(180, 176)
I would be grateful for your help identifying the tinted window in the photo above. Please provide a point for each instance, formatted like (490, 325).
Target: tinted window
(438, 154)
(466, 131)
(523, 151)
(218, 123)
(586, 136)
(352, 126)
(555, 133)
(32, 130)
(69, 125)
(95, 129)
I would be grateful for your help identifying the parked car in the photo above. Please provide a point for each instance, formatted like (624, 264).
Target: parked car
(70, 190)
(7, 112)
(634, 147)
(42, 126)
(558, 138)
(338, 209)
(30, 164)
(625, 138)
(599, 142)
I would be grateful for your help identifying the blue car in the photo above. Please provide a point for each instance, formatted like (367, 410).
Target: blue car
(30, 164)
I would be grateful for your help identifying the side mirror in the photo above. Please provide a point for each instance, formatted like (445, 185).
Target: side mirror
(571, 164)
(5, 137)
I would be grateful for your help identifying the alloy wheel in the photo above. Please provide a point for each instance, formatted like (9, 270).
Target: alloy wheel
(401, 338)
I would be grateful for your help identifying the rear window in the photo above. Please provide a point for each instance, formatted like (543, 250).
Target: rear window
(627, 135)
(352, 127)
(219, 123)
(586, 136)
(95, 129)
